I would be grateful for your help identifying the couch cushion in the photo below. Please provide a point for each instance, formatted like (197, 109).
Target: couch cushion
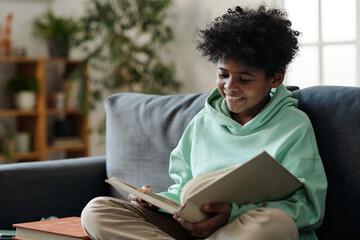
(142, 130)
(335, 115)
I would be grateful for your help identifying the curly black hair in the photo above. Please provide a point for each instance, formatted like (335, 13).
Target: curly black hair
(259, 38)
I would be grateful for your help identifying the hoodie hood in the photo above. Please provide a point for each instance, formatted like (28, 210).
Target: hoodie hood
(216, 106)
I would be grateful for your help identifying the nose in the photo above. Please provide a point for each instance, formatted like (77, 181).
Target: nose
(230, 83)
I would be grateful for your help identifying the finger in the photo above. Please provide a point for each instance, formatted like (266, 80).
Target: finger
(152, 206)
(196, 229)
(217, 208)
(187, 225)
(192, 227)
(147, 187)
(141, 204)
(131, 197)
(208, 225)
(135, 203)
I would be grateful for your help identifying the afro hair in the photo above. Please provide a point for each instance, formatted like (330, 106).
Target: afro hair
(259, 38)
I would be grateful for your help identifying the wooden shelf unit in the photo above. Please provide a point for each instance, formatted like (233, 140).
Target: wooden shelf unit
(38, 121)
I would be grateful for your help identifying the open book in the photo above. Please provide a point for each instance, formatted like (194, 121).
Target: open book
(261, 179)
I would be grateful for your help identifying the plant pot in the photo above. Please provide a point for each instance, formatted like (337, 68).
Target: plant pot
(25, 100)
(58, 47)
(64, 128)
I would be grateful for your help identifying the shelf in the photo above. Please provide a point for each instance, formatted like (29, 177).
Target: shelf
(74, 147)
(53, 111)
(39, 123)
(17, 59)
(14, 59)
(17, 113)
(24, 156)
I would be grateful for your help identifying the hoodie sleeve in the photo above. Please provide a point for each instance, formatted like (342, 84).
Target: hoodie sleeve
(300, 156)
(180, 167)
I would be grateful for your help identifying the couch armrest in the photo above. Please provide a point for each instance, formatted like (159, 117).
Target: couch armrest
(61, 188)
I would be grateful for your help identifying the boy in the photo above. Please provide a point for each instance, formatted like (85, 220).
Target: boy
(250, 111)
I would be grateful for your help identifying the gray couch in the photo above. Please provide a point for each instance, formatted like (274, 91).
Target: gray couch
(141, 132)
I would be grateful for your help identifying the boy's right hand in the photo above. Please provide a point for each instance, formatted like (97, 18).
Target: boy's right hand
(140, 202)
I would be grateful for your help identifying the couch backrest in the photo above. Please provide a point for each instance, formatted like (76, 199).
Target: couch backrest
(142, 130)
(335, 115)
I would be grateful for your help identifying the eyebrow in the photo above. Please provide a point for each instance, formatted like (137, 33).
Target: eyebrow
(244, 73)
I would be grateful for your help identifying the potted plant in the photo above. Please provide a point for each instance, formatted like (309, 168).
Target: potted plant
(58, 32)
(24, 90)
(122, 41)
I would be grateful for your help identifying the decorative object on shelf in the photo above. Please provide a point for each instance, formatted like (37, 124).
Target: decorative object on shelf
(5, 34)
(72, 87)
(7, 143)
(64, 127)
(122, 40)
(58, 32)
(25, 89)
(25, 100)
(22, 142)
(58, 100)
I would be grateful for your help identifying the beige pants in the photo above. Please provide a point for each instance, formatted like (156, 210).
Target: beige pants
(106, 218)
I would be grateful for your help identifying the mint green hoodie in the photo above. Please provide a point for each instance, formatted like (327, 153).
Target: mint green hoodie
(213, 140)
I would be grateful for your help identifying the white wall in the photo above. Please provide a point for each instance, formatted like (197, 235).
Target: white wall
(196, 73)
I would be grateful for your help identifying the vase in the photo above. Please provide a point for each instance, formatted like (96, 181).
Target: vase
(22, 142)
(58, 47)
(25, 100)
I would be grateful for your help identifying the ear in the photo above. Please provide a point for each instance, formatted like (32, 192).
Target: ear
(277, 80)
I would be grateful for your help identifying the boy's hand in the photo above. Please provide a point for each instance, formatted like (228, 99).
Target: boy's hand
(221, 214)
(138, 201)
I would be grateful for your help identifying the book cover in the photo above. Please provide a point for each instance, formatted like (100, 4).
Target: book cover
(56, 229)
(260, 179)
(71, 89)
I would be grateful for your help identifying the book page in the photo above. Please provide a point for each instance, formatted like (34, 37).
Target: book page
(159, 201)
(202, 181)
(257, 180)
(260, 179)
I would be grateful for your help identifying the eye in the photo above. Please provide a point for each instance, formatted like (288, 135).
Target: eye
(223, 74)
(245, 80)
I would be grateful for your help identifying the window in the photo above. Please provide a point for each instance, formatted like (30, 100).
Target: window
(329, 52)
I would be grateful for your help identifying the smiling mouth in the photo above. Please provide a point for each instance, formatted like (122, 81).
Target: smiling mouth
(234, 99)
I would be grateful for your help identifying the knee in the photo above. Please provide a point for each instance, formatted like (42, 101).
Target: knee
(90, 216)
(269, 223)
(92, 207)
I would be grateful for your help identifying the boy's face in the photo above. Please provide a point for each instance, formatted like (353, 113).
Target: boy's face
(246, 90)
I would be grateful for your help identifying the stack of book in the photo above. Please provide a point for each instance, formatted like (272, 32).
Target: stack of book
(72, 91)
(56, 229)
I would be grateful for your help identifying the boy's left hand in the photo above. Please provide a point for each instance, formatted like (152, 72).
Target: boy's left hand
(221, 214)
